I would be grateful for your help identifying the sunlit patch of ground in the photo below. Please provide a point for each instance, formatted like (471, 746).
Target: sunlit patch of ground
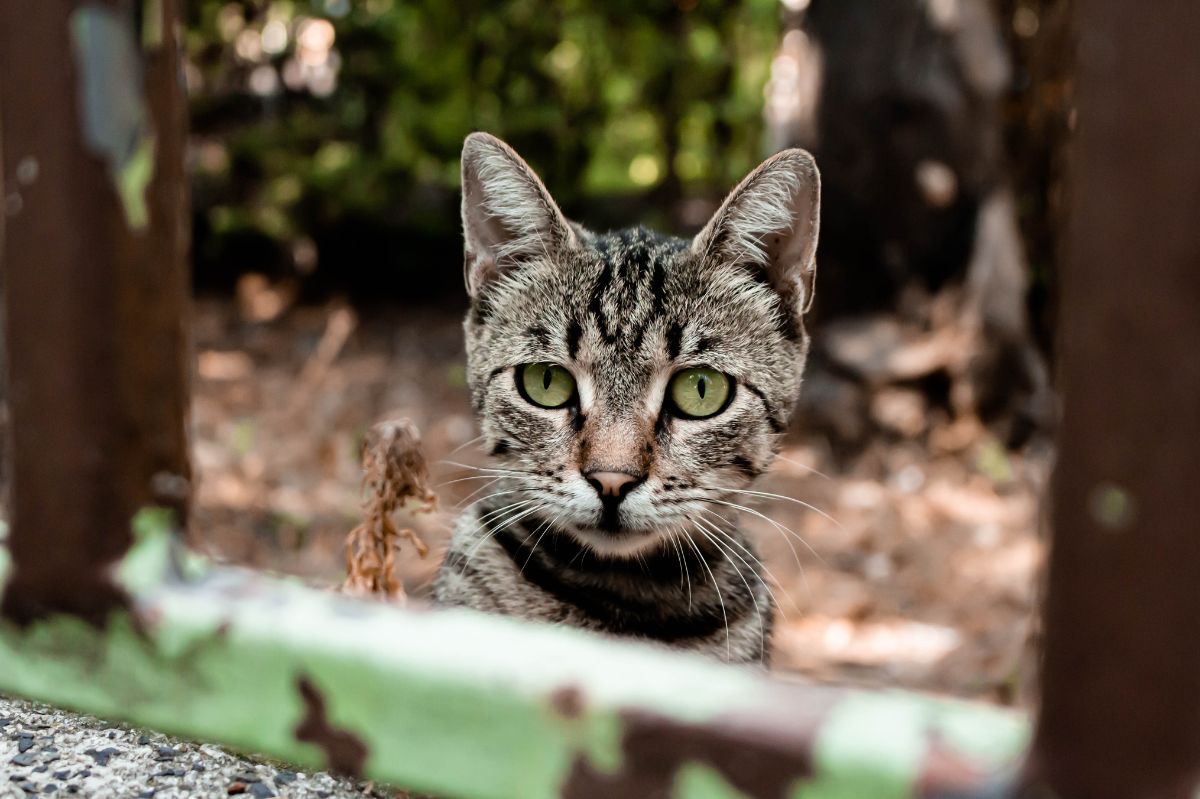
(919, 570)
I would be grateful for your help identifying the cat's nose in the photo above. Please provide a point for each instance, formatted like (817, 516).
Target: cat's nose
(613, 484)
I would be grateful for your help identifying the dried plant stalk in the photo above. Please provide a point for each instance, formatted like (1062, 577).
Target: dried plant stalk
(394, 474)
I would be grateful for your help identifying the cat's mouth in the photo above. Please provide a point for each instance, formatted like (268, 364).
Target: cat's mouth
(619, 541)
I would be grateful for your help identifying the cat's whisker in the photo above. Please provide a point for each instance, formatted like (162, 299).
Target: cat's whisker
(486, 497)
(464, 479)
(511, 508)
(511, 519)
(716, 585)
(795, 555)
(548, 525)
(530, 484)
(769, 495)
(684, 573)
(725, 552)
(491, 470)
(466, 444)
(786, 539)
(777, 525)
(493, 514)
(491, 481)
(803, 466)
(762, 567)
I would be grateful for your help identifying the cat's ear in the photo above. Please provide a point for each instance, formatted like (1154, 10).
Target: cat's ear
(770, 223)
(508, 216)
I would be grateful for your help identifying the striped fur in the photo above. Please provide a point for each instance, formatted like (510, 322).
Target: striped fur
(623, 312)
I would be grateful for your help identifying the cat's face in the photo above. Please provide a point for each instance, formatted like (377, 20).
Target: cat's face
(628, 380)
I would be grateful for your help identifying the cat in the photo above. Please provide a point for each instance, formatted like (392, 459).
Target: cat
(629, 385)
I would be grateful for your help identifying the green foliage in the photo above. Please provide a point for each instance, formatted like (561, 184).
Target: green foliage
(311, 116)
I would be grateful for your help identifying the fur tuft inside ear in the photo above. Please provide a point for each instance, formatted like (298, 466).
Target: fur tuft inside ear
(771, 222)
(508, 216)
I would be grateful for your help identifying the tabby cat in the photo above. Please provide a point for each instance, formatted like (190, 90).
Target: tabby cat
(630, 387)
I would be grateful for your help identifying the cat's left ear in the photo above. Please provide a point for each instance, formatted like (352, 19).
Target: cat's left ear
(770, 223)
(508, 216)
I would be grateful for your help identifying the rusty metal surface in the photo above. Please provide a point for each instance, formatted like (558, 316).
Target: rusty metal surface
(1120, 715)
(95, 305)
(469, 705)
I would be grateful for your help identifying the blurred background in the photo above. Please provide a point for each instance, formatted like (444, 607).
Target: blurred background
(327, 265)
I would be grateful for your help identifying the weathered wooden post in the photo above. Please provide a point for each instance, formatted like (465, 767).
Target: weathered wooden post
(95, 288)
(1120, 714)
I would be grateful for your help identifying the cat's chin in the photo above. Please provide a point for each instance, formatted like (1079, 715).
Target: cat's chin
(620, 544)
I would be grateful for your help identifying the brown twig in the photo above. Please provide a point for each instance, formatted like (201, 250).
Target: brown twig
(394, 472)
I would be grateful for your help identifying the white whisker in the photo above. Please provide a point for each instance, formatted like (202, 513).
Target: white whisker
(762, 628)
(769, 495)
(768, 520)
(803, 466)
(728, 536)
(720, 598)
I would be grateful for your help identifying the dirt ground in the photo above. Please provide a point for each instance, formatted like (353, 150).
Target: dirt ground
(919, 570)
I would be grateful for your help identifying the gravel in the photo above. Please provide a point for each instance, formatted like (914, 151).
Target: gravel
(48, 752)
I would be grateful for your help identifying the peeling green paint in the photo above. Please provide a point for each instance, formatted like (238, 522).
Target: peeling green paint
(885, 729)
(448, 702)
(133, 179)
(148, 562)
(877, 744)
(112, 110)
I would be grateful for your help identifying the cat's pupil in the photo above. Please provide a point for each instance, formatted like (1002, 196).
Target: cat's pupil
(546, 379)
(700, 386)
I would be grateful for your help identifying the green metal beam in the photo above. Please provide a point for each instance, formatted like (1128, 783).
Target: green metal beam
(459, 704)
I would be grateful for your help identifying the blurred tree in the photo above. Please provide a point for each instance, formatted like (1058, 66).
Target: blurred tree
(326, 133)
(904, 104)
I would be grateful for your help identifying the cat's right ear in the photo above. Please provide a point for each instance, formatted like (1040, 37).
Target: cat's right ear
(770, 223)
(508, 216)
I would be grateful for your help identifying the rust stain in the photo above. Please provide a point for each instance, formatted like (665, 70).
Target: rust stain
(344, 750)
(758, 763)
(567, 701)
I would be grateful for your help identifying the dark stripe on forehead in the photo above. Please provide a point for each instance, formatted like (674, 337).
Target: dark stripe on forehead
(637, 261)
(674, 340)
(539, 334)
(596, 302)
(574, 334)
(658, 285)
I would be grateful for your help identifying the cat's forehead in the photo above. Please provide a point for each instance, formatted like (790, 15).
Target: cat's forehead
(630, 301)
(624, 281)
(635, 249)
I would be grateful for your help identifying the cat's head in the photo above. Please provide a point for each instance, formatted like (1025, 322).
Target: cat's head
(627, 380)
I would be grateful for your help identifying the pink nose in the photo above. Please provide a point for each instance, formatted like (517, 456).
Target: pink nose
(612, 484)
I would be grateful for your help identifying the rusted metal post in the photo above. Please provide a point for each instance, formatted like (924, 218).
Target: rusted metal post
(95, 288)
(1121, 678)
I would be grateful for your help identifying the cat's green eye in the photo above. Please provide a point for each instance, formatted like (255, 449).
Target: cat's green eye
(546, 384)
(699, 393)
